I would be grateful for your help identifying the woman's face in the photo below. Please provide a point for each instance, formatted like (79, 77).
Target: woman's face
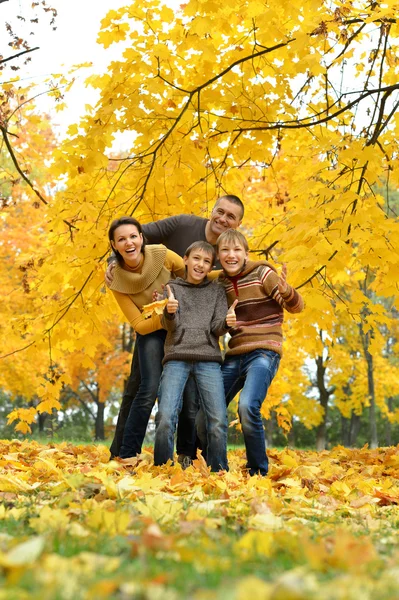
(128, 242)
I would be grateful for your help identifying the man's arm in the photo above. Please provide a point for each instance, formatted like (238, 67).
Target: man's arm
(158, 231)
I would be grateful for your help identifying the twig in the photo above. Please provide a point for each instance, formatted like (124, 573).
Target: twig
(4, 60)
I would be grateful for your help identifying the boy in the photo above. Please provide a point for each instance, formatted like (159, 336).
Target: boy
(194, 317)
(255, 347)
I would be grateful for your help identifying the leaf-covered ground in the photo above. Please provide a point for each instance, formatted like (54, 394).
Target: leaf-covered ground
(73, 525)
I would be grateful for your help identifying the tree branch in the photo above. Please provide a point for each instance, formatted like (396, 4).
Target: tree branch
(266, 251)
(316, 272)
(83, 403)
(91, 393)
(18, 168)
(24, 177)
(4, 60)
(307, 121)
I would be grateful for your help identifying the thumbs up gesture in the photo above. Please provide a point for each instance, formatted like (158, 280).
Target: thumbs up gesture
(282, 282)
(172, 304)
(231, 318)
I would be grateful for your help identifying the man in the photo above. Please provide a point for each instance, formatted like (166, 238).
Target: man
(177, 233)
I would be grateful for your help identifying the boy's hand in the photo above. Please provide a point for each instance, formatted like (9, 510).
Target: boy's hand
(172, 304)
(282, 282)
(109, 273)
(231, 318)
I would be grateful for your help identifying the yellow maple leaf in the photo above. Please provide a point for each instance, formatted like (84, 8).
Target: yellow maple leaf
(154, 307)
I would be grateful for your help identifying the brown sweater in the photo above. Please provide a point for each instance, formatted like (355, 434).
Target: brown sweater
(194, 330)
(133, 288)
(260, 308)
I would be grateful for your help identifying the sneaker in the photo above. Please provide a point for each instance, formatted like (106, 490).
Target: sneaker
(184, 461)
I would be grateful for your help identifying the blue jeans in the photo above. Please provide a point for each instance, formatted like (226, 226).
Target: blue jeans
(208, 378)
(186, 440)
(252, 373)
(150, 353)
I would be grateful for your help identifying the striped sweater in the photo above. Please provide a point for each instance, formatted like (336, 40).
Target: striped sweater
(260, 308)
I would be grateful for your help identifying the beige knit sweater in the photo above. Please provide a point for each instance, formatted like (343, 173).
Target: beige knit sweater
(134, 288)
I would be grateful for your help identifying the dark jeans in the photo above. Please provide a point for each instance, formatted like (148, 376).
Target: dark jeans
(186, 436)
(209, 381)
(131, 389)
(150, 354)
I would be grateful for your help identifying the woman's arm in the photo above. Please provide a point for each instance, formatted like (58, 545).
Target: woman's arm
(135, 317)
(214, 274)
(175, 264)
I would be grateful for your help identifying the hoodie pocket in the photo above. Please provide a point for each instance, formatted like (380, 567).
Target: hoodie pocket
(211, 340)
(198, 338)
(180, 337)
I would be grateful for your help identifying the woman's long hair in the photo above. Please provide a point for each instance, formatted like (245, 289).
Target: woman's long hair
(117, 223)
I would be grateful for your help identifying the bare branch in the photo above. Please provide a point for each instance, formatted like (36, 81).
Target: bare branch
(18, 168)
(83, 403)
(317, 272)
(4, 60)
(266, 251)
(25, 178)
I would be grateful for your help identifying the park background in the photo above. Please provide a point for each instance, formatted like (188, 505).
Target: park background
(153, 110)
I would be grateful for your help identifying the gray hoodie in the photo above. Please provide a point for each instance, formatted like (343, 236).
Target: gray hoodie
(194, 330)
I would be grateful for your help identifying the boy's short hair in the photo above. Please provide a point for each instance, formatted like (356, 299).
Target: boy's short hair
(205, 247)
(232, 235)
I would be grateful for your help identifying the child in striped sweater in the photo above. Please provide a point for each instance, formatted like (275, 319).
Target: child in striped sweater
(259, 296)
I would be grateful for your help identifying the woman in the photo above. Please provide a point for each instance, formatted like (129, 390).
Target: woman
(140, 271)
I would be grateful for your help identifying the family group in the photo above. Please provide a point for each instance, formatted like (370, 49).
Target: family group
(211, 288)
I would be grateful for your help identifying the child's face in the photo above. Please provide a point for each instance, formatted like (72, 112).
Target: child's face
(198, 264)
(232, 257)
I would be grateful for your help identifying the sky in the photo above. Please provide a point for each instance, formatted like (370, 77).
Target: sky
(73, 42)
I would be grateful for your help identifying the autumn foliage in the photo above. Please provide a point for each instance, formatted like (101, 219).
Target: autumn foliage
(322, 525)
(291, 106)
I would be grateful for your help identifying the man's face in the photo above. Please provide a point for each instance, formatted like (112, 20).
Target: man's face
(198, 264)
(232, 257)
(225, 215)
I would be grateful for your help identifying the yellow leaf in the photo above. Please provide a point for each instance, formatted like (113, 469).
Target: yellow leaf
(23, 554)
(254, 543)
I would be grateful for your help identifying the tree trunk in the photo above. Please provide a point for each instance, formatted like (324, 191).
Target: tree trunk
(388, 426)
(269, 427)
(99, 426)
(41, 421)
(354, 430)
(291, 437)
(365, 339)
(345, 431)
(371, 392)
(324, 395)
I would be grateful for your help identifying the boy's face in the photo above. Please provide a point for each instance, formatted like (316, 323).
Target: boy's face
(232, 257)
(198, 265)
